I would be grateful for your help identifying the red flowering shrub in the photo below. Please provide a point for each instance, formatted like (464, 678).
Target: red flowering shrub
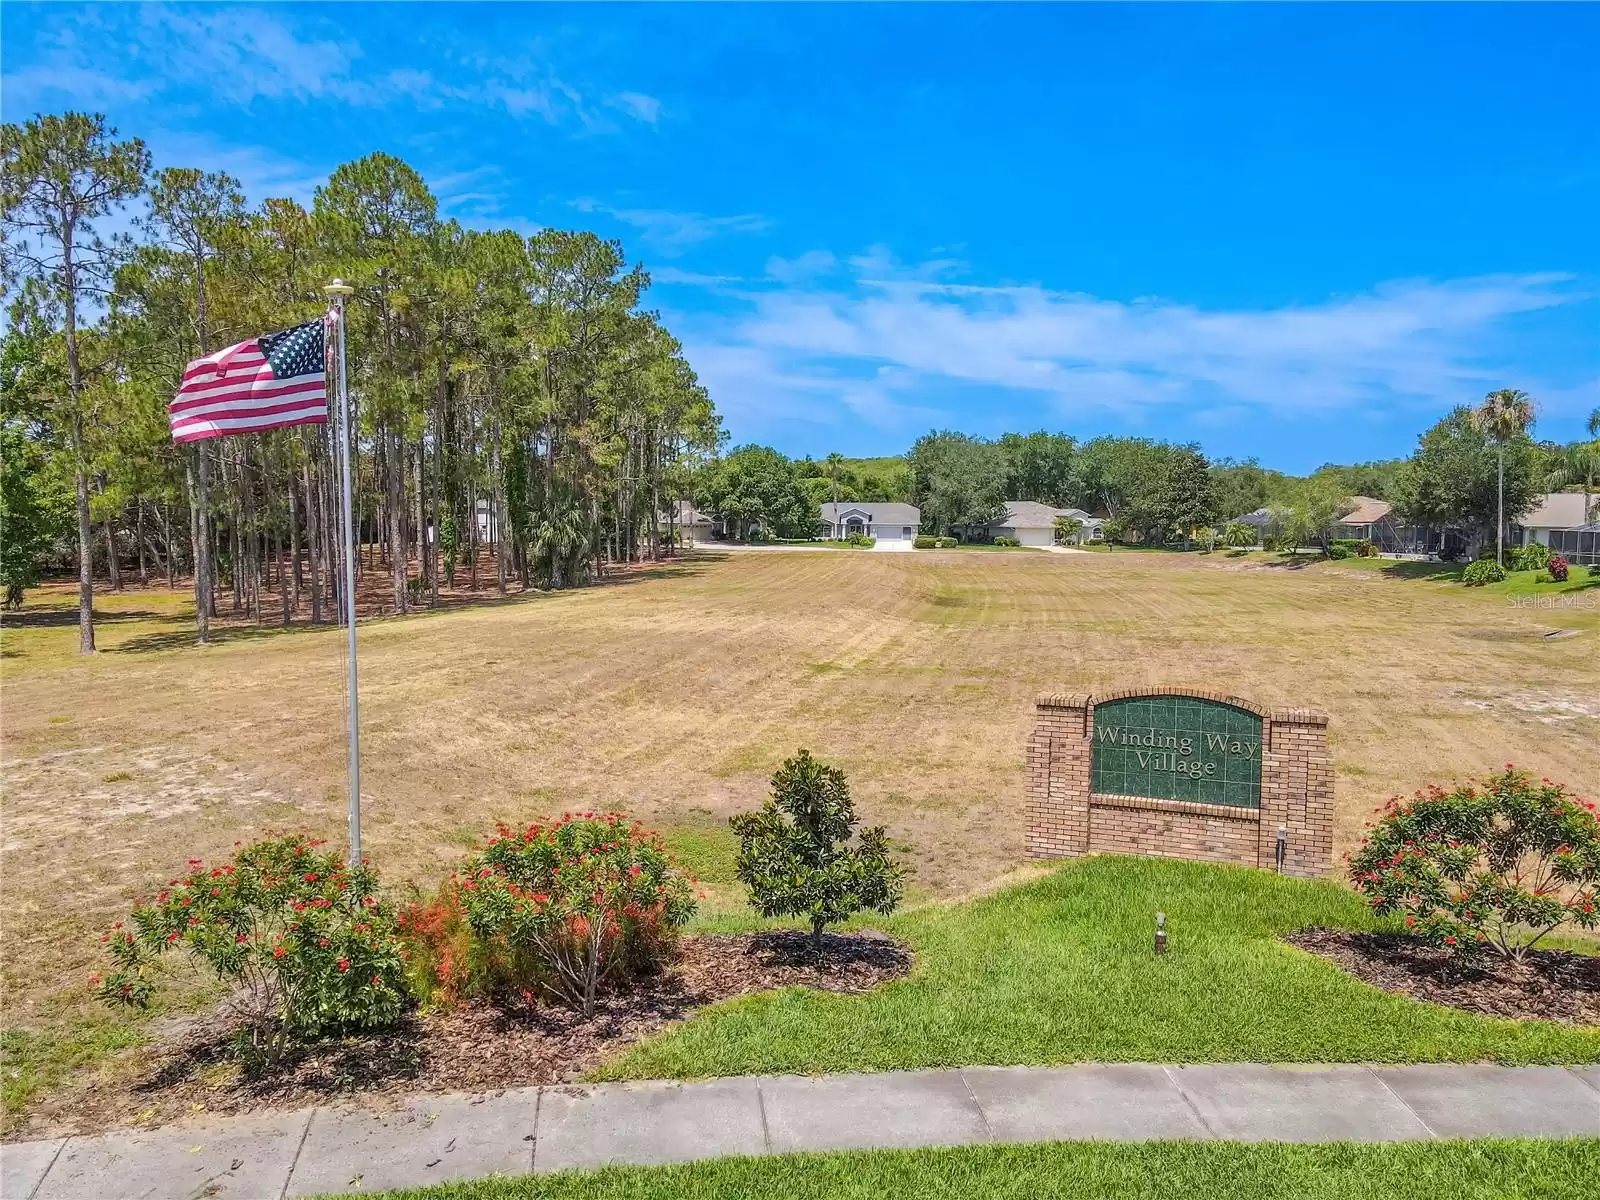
(574, 905)
(1558, 568)
(444, 963)
(1491, 868)
(299, 940)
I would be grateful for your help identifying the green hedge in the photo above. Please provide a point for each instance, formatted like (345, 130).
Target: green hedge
(1484, 570)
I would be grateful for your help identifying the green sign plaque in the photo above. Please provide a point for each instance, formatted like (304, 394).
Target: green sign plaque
(1177, 748)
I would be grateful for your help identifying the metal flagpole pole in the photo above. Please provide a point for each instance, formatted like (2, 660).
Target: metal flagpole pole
(337, 291)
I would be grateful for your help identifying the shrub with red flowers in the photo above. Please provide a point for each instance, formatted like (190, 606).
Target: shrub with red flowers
(298, 938)
(445, 964)
(1558, 568)
(1483, 869)
(576, 905)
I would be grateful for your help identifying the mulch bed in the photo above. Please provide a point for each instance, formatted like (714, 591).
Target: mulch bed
(1552, 985)
(190, 1070)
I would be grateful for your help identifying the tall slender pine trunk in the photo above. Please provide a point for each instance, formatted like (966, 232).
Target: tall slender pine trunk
(1500, 509)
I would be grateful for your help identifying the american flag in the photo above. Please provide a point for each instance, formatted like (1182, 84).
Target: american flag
(269, 382)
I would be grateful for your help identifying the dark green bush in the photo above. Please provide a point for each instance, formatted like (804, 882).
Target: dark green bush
(1484, 570)
(1533, 557)
(795, 854)
(924, 541)
(1353, 547)
(1006, 541)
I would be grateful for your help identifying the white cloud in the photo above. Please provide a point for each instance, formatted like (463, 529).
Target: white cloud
(691, 278)
(261, 172)
(637, 105)
(31, 89)
(792, 270)
(671, 233)
(245, 53)
(896, 344)
(239, 55)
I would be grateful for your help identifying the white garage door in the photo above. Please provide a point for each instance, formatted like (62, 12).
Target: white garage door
(1036, 537)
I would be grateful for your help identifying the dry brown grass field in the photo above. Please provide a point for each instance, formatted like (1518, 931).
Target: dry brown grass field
(673, 693)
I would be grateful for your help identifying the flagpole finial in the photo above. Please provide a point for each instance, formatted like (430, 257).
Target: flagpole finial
(337, 288)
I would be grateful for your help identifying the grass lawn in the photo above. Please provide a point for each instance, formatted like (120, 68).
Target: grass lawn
(1516, 583)
(1473, 1170)
(831, 543)
(982, 546)
(1061, 970)
(673, 694)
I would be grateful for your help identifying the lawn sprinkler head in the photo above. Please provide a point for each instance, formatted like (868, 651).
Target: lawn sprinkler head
(1161, 933)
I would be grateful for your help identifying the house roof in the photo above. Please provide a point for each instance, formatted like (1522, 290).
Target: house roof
(1030, 514)
(1367, 511)
(877, 512)
(688, 514)
(1555, 510)
(1260, 517)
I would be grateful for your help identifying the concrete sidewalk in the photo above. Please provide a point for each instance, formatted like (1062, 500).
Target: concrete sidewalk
(432, 1139)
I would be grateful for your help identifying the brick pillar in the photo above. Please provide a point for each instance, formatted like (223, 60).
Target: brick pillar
(1297, 792)
(1057, 808)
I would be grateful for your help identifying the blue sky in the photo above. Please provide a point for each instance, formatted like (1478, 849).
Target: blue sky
(1295, 232)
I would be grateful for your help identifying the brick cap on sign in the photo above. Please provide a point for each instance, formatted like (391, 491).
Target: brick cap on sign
(1063, 700)
(1088, 700)
(1299, 716)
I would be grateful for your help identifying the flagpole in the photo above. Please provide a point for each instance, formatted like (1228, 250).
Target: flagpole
(336, 292)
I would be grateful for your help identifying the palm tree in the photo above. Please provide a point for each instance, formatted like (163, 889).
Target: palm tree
(1239, 534)
(835, 461)
(1503, 415)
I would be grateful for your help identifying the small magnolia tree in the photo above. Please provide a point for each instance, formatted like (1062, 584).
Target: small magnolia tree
(795, 856)
(1487, 868)
(576, 903)
(299, 938)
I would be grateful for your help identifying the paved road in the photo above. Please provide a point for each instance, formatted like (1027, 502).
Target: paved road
(432, 1139)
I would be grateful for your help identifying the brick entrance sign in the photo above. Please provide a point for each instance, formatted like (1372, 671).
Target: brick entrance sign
(1181, 773)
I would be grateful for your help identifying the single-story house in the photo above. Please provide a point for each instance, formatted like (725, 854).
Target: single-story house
(1375, 521)
(1560, 521)
(1366, 520)
(1033, 524)
(693, 526)
(885, 521)
(1581, 545)
(1551, 512)
(1261, 520)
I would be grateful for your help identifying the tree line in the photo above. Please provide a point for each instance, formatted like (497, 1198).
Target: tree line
(517, 410)
(514, 401)
(1473, 470)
